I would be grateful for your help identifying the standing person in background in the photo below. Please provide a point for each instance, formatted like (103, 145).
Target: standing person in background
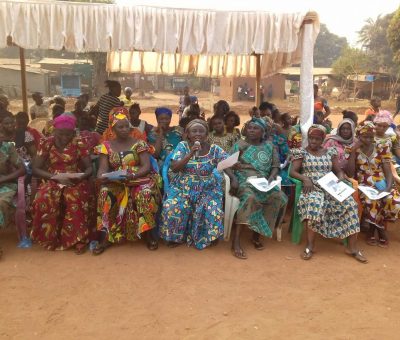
(22, 120)
(321, 104)
(41, 107)
(221, 107)
(370, 113)
(232, 121)
(218, 136)
(127, 97)
(141, 126)
(3, 106)
(106, 103)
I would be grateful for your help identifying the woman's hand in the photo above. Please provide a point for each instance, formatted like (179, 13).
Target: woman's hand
(308, 185)
(64, 181)
(271, 178)
(195, 147)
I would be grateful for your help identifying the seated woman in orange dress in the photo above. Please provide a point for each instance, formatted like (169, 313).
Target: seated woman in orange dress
(60, 208)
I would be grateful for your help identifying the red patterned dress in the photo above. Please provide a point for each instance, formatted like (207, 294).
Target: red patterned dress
(60, 213)
(126, 209)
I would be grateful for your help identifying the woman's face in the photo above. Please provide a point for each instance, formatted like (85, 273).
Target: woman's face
(218, 125)
(164, 120)
(254, 132)
(63, 136)
(367, 139)
(381, 128)
(122, 128)
(8, 125)
(345, 131)
(135, 114)
(197, 133)
(230, 122)
(315, 142)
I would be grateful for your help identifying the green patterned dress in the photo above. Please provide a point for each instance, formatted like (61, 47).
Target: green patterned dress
(260, 211)
(9, 160)
(327, 216)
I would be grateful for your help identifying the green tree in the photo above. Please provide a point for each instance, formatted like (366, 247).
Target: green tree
(393, 34)
(374, 38)
(328, 47)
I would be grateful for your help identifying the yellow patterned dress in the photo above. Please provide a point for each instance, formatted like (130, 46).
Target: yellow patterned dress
(126, 209)
(369, 170)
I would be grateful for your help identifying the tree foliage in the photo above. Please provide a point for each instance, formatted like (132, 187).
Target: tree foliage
(393, 34)
(328, 47)
(352, 61)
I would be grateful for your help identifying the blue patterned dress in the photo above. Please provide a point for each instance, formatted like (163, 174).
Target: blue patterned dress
(193, 210)
(327, 216)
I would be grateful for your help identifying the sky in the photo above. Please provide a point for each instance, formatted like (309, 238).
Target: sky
(342, 17)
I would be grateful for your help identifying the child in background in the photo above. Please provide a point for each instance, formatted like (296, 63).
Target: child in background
(232, 121)
(218, 136)
(319, 119)
(57, 110)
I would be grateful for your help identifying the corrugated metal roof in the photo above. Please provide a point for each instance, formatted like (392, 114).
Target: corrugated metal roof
(317, 71)
(29, 69)
(63, 61)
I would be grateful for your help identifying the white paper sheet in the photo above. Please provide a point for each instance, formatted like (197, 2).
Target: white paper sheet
(339, 190)
(262, 184)
(372, 193)
(230, 161)
(114, 174)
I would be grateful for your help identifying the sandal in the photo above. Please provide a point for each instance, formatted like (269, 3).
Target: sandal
(358, 256)
(152, 245)
(240, 254)
(371, 241)
(383, 243)
(257, 244)
(100, 248)
(80, 248)
(307, 254)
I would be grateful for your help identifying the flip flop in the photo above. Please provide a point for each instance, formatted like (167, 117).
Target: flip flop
(80, 248)
(239, 254)
(257, 244)
(371, 241)
(358, 256)
(307, 254)
(152, 245)
(383, 243)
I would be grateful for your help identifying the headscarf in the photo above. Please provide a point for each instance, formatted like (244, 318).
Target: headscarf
(339, 138)
(364, 128)
(263, 123)
(317, 130)
(259, 122)
(118, 117)
(65, 121)
(383, 116)
(163, 110)
(196, 122)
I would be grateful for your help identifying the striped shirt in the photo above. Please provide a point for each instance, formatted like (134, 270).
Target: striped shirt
(106, 103)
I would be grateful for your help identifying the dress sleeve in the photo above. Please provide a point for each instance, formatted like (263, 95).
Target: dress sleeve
(13, 156)
(44, 147)
(297, 153)
(180, 151)
(219, 154)
(395, 143)
(142, 146)
(275, 158)
(101, 149)
(29, 137)
(332, 152)
(384, 153)
(83, 150)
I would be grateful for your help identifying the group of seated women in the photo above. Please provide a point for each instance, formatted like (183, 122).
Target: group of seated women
(121, 176)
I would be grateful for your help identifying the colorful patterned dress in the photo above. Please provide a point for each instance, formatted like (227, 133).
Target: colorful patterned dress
(326, 215)
(126, 209)
(8, 160)
(260, 211)
(193, 209)
(225, 142)
(280, 141)
(60, 213)
(369, 170)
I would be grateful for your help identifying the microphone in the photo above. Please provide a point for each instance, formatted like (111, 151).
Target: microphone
(196, 154)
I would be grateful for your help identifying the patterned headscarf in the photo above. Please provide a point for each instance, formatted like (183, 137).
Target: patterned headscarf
(259, 122)
(317, 130)
(365, 128)
(383, 116)
(196, 122)
(65, 121)
(339, 138)
(163, 110)
(118, 117)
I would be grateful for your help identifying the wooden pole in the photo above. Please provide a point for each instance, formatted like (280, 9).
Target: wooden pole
(258, 80)
(23, 79)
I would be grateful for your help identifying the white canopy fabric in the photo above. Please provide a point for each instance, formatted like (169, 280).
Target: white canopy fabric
(160, 40)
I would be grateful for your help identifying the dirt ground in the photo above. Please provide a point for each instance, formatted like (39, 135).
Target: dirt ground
(131, 293)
